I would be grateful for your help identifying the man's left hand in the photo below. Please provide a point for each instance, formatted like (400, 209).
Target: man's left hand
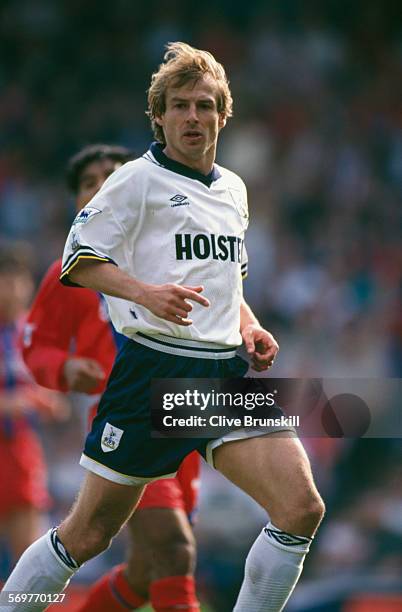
(260, 345)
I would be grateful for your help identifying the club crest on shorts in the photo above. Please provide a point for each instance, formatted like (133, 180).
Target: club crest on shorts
(111, 437)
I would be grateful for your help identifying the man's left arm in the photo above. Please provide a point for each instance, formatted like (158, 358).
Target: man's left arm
(260, 344)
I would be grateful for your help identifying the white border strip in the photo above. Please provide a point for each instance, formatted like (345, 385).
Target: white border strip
(190, 342)
(185, 352)
(240, 434)
(102, 470)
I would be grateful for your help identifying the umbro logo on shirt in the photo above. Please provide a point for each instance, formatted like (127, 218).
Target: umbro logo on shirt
(179, 200)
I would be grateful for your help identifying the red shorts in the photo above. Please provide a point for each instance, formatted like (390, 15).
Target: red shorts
(22, 472)
(179, 492)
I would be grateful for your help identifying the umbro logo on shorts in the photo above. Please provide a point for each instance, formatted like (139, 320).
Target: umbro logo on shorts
(111, 437)
(179, 200)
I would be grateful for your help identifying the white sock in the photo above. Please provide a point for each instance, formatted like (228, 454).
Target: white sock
(45, 567)
(273, 567)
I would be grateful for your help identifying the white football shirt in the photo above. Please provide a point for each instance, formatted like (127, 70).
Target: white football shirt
(162, 222)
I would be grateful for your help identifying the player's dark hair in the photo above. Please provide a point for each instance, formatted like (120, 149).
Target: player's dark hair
(89, 154)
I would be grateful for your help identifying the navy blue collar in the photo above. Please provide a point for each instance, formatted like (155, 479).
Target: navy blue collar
(175, 166)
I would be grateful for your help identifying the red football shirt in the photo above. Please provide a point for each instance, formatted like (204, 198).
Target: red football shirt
(64, 323)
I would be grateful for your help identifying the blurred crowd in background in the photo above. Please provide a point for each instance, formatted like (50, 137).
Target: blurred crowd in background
(317, 137)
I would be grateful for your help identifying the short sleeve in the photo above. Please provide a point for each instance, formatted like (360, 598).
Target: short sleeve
(99, 231)
(245, 214)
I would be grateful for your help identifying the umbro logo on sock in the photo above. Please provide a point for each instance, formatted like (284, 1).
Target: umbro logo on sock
(179, 200)
(287, 539)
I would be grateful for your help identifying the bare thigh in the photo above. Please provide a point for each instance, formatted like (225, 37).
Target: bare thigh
(275, 471)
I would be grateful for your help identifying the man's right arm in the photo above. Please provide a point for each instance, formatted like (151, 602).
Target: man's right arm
(97, 246)
(168, 301)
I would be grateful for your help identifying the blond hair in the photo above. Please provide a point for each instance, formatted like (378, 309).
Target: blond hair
(183, 64)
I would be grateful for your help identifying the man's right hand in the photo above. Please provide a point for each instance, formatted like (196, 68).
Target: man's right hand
(169, 301)
(82, 374)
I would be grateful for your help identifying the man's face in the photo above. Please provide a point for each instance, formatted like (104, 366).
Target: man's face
(191, 121)
(92, 178)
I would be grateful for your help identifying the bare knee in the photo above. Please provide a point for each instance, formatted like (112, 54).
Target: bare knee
(164, 545)
(174, 554)
(301, 513)
(98, 539)
(101, 509)
(173, 557)
(309, 512)
(88, 541)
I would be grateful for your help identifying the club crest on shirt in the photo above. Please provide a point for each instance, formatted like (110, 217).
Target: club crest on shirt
(111, 437)
(74, 242)
(85, 214)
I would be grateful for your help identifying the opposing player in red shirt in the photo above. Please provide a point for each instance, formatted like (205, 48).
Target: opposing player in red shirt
(23, 488)
(70, 345)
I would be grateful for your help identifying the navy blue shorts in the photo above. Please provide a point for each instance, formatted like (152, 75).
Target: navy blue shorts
(119, 446)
